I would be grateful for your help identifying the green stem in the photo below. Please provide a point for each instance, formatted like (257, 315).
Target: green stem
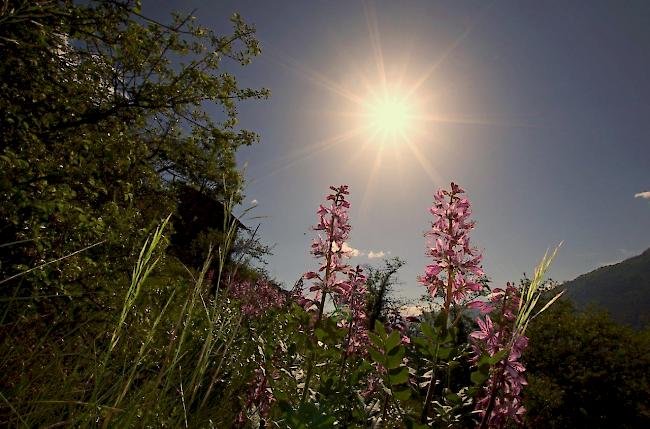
(493, 396)
(312, 355)
(499, 378)
(427, 401)
(223, 356)
(321, 307)
(447, 306)
(384, 409)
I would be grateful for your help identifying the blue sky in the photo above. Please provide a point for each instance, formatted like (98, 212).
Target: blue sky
(540, 110)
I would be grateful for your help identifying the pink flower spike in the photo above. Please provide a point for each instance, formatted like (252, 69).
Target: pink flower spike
(455, 269)
(504, 386)
(345, 285)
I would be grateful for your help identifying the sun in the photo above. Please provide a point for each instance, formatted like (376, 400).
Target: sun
(385, 112)
(388, 116)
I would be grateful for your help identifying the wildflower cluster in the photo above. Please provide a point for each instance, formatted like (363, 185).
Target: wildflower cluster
(259, 397)
(353, 299)
(456, 265)
(500, 399)
(377, 366)
(348, 293)
(256, 297)
(333, 222)
(331, 249)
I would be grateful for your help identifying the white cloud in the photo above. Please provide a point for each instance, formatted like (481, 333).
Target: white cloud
(254, 202)
(644, 195)
(351, 251)
(372, 254)
(410, 310)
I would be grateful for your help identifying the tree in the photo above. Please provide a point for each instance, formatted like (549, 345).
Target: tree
(103, 111)
(379, 285)
(104, 120)
(585, 370)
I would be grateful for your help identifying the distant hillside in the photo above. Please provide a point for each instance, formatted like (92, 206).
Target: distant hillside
(623, 289)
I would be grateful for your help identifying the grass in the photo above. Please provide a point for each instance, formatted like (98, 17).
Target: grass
(158, 360)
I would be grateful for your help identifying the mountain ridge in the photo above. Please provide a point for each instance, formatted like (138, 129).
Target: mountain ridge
(623, 289)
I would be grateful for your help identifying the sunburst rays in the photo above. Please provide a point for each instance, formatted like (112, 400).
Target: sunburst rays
(376, 98)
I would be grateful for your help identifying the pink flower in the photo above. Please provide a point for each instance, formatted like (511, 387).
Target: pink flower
(495, 298)
(333, 221)
(345, 285)
(374, 386)
(486, 330)
(259, 397)
(456, 265)
(351, 296)
(482, 306)
(256, 298)
(503, 389)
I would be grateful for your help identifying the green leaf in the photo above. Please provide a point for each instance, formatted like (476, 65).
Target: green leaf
(419, 341)
(412, 424)
(320, 334)
(472, 391)
(402, 395)
(483, 360)
(280, 395)
(453, 364)
(394, 358)
(449, 337)
(444, 352)
(394, 339)
(376, 356)
(364, 366)
(478, 377)
(453, 398)
(497, 357)
(379, 329)
(427, 330)
(441, 320)
(376, 340)
(398, 376)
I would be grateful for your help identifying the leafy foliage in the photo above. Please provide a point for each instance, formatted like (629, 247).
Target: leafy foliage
(104, 122)
(211, 349)
(102, 110)
(379, 285)
(586, 371)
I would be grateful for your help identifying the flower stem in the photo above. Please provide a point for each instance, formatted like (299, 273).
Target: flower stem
(321, 307)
